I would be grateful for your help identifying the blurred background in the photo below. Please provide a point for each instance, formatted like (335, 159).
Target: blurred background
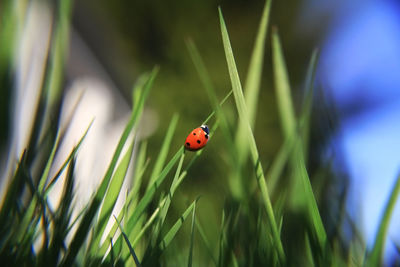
(356, 111)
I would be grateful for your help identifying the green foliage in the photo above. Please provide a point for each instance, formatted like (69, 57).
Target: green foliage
(152, 224)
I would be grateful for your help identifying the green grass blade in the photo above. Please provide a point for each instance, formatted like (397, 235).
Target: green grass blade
(282, 86)
(376, 256)
(305, 115)
(62, 219)
(174, 186)
(86, 222)
(206, 242)
(131, 250)
(164, 208)
(235, 186)
(13, 193)
(162, 155)
(310, 200)
(67, 161)
(242, 110)
(222, 241)
(289, 128)
(207, 84)
(139, 169)
(169, 236)
(111, 198)
(253, 81)
(59, 48)
(148, 197)
(30, 212)
(190, 257)
(275, 171)
(221, 103)
(149, 222)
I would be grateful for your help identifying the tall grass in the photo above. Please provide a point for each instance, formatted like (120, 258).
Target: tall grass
(254, 224)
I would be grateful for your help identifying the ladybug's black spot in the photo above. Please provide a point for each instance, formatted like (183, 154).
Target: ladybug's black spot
(206, 136)
(198, 141)
(187, 144)
(194, 133)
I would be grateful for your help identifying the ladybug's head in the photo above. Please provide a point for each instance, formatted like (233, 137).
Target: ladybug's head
(205, 128)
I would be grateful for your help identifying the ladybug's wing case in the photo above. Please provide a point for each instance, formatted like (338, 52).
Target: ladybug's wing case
(196, 140)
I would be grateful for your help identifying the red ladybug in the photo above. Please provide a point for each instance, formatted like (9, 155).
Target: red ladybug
(197, 139)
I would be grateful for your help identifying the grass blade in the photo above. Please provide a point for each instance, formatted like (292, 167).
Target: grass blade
(164, 208)
(275, 171)
(162, 155)
(310, 200)
(110, 198)
(235, 186)
(190, 258)
(67, 161)
(375, 258)
(243, 115)
(148, 197)
(169, 236)
(305, 115)
(289, 126)
(174, 186)
(222, 241)
(206, 242)
(30, 212)
(253, 81)
(153, 256)
(282, 86)
(139, 169)
(62, 218)
(132, 251)
(84, 226)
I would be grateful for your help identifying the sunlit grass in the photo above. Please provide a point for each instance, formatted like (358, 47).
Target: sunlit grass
(252, 226)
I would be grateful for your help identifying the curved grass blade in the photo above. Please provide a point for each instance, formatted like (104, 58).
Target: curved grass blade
(30, 212)
(62, 219)
(278, 164)
(252, 84)
(289, 128)
(111, 198)
(207, 84)
(164, 209)
(376, 255)
(305, 116)
(234, 182)
(131, 199)
(206, 242)
(67, 161)
(139, 169)
(222, 241)
(94, 205)
(243, 115)
(149, 222)
(14, 191)
(221, 103)
(151, 259)
(148, 197)
(174, 186)
(162, 155)
(190, 258)
(282, 86)
(169, 236)
(132, 251)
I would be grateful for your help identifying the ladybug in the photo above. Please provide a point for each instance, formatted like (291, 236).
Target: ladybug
(197, 139)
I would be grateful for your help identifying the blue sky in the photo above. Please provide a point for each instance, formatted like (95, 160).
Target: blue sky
(360, 66)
